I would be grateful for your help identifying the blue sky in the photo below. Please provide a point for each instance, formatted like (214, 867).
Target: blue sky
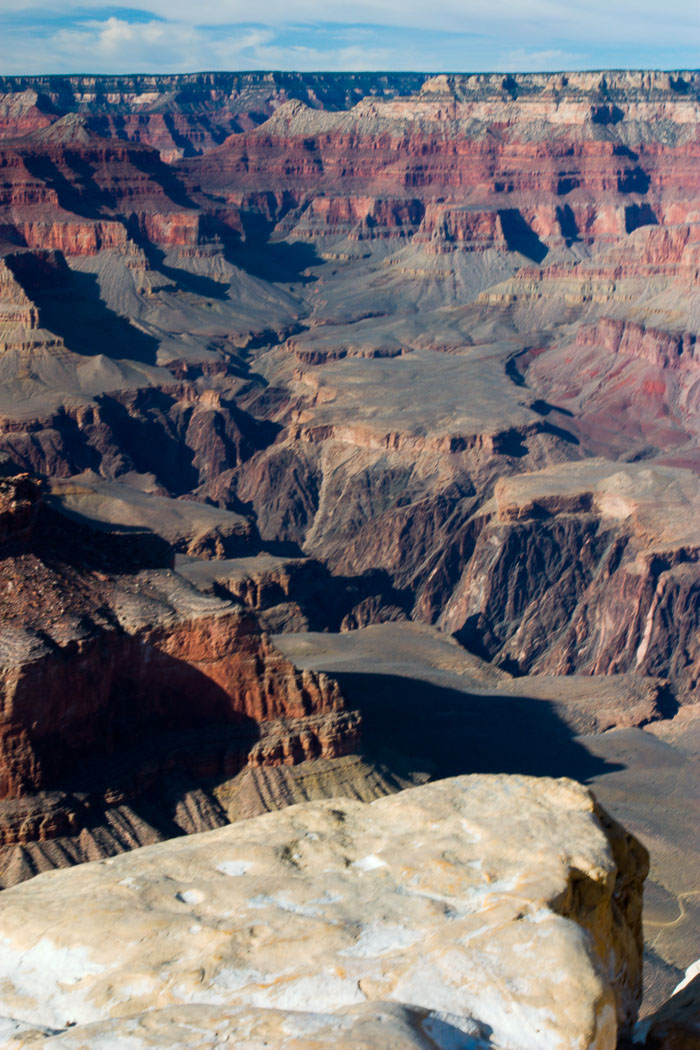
(57, 36)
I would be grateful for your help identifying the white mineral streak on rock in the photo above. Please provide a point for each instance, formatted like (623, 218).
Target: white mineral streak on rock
(234, 868)
(370, 863)
(471, 913)
(691, 973)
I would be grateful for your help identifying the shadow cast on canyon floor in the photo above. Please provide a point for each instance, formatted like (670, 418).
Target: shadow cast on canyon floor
(279, 261)
(185, 280)
(76, 312)
(449, 732)
(70, 539)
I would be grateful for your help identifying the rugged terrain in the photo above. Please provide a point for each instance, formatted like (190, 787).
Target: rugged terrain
(283, 355)
(342, 908)
(347, 324)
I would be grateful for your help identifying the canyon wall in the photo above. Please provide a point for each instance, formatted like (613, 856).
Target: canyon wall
(416, 347)
(116, 672)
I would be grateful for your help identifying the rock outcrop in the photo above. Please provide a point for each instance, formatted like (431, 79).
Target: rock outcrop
(182, 114)
(676, 1026)
(355, 350)
(116, 673)
(510, 917)
(580, 569)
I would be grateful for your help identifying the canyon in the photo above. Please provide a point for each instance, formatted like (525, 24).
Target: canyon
(349, 439)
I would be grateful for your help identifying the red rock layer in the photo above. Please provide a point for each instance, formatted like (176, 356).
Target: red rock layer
(628, 386)
(182, 115)
(462, 164)
(603, 172)
(677, 352)
(95, 694)
(466, 172)
(66, 188)
(78, 687)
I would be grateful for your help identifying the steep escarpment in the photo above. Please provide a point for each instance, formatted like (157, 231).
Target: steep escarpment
(103, 645)
(352, 350)
(183, 115)
(347, 323)
(590, 568)
(626, 387)
(537, 167)
(68, 188)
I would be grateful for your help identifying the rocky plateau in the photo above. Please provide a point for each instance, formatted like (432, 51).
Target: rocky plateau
(349, 439)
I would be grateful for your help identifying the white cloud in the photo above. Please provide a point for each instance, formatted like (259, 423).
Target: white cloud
(595, 17)
(116, 45)
(179, 36)
(547, 60)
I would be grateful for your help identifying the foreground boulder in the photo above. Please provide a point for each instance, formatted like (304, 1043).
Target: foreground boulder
(494, 910)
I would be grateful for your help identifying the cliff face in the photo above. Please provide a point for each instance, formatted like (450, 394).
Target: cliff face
(469, 162)
(115, 671)
(585, 569)
(91, 695)
(424, 347)
(476, 162)
(184, 114)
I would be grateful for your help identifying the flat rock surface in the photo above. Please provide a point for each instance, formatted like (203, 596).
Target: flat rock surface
(118, 505)
(460, 394)
(584, 703)
(392, 648)
(660, 504)
(462, 900)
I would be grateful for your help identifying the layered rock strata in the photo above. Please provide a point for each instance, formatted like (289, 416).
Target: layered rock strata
(627, 600)
(117, 673)
(383, 347)
(184, 114)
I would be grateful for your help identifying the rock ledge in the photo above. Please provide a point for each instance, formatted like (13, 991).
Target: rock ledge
(495, 911)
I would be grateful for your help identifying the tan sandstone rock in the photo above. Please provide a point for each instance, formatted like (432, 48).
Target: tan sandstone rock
(484, 910)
